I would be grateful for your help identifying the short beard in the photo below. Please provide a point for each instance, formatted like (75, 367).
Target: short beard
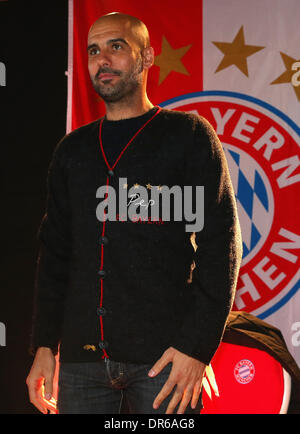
(127, 85)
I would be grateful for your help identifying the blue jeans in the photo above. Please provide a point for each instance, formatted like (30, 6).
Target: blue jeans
(109, 387)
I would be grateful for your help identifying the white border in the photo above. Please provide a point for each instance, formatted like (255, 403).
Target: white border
(69, 72)
(287, 381)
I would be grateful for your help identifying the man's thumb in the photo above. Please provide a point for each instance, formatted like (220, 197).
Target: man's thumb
(48, 388)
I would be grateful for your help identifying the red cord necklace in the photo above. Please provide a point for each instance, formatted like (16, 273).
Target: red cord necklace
(101, 272)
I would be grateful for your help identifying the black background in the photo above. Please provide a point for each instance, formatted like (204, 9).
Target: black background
(34, 49)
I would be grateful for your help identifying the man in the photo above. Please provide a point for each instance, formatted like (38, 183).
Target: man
(132, 316)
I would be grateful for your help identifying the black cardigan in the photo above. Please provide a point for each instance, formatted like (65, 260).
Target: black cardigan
(126, 289)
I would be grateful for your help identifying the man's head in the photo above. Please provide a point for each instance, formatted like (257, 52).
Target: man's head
(119, 56)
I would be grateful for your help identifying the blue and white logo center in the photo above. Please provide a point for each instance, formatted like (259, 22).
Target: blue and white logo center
(254, 198)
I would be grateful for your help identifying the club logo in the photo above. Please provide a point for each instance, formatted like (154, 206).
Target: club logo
(244, 371)
(261, 145)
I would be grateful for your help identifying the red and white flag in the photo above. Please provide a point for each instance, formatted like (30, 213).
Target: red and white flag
(237, 63)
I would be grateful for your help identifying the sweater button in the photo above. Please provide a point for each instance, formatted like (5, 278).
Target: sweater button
(103, 344)
(101, 311)
(110, 173)
(103, 240)
(102, 274)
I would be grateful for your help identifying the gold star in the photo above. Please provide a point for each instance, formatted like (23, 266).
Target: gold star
(148, 186)
(236, 52)
(290, 72)
(159, 187)
(136, 186)
(170, 60)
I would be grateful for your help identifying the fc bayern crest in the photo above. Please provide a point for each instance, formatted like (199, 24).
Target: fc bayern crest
(244, 371)
(261, 145)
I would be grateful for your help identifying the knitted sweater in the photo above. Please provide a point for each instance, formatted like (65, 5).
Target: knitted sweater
(129, 287)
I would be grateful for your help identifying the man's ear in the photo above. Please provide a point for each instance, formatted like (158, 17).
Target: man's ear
(148, 57)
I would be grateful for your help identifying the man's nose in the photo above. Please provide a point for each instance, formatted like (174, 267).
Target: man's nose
(103, 59)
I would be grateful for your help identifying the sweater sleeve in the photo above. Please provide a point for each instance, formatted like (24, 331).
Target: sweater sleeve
(53, 260)
(218, 250)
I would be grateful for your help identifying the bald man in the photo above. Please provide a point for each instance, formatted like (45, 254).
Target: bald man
(115, 292)
(120, 78)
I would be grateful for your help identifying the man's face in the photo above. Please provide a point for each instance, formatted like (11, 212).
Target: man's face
(114, 60)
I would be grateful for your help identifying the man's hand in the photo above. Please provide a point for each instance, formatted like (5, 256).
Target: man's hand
(41, 376)
(186, 374)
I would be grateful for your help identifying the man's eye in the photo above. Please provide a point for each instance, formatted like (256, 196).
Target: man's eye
(93, 51)
(116, 46)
